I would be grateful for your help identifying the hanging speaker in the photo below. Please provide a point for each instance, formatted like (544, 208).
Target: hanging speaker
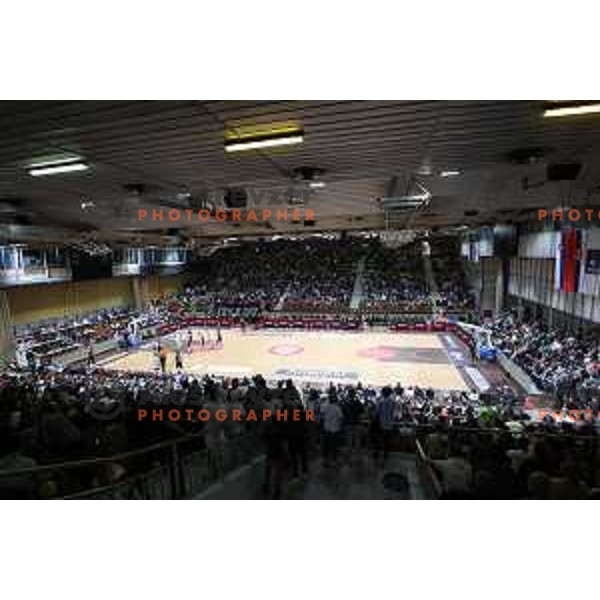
(563, 171)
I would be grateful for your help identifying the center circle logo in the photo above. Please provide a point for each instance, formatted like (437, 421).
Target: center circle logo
(382, 353)
(286, 349)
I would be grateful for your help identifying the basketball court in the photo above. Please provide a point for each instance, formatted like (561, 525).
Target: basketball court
(376, 358)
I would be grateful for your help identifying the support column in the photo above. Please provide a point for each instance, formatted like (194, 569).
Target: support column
(141, 295)
(492, 285)
(7, 338)
(501, 285)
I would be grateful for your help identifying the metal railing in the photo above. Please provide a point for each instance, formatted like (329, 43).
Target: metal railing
(175, 469)
(184, 467)
(430, 481)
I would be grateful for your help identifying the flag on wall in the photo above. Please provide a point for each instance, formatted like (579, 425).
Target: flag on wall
(568, 260)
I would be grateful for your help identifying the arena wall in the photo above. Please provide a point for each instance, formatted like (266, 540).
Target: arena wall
(159, 286)
(32, 303)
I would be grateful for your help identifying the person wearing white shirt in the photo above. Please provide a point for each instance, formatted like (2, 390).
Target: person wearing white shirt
(332, 419)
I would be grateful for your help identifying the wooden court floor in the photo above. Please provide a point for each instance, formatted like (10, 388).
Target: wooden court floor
(376, 358)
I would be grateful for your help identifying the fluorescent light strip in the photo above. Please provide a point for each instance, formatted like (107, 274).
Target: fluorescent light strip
(266, 143)
(316, 184)
(55, 170)
(450, 173)
(571, 111)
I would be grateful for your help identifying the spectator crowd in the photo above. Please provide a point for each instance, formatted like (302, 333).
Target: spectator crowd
(480, 447)
(558, 361)
(477, 446)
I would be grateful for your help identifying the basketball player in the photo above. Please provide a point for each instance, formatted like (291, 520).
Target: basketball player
(156, 358)
(162, 355)
(91, 358)
(190, 340)
(219, 337)
(178, 360)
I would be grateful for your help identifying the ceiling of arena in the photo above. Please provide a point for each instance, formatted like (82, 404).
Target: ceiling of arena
(155, 153)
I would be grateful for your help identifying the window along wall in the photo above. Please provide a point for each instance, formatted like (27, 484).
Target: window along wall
(21, 264)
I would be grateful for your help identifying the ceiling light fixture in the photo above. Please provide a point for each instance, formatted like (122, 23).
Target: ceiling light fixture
(450, 173)
(266, 143)
(316, 184)
(572, 110)
(55, 169)
(268, 139)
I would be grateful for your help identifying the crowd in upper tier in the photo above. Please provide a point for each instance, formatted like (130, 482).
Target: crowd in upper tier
(453, 289)
(292, 275)
(320, 275)
(394, 280)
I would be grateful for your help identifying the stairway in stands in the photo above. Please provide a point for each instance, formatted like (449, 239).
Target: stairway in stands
(357, 292)
(431, 282)
(281, 301)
